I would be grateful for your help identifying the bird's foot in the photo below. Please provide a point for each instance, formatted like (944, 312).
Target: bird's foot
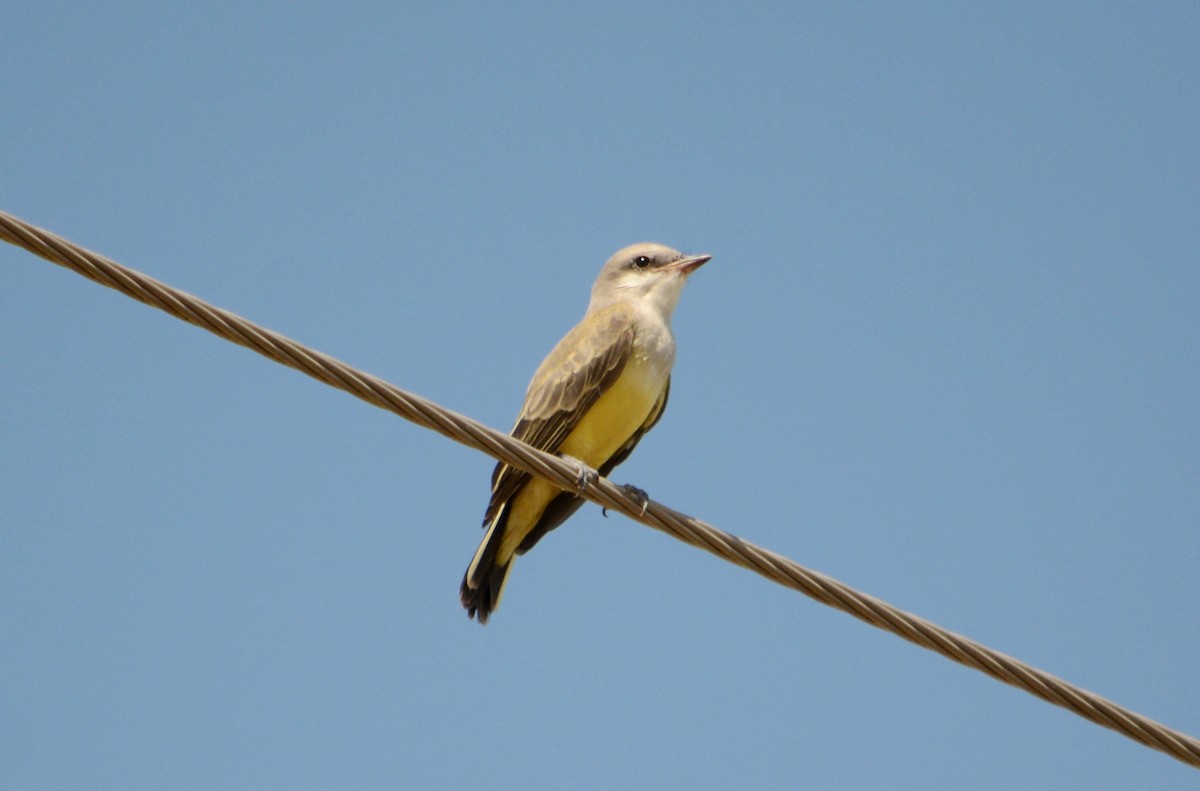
(583, 474)
(637, 494)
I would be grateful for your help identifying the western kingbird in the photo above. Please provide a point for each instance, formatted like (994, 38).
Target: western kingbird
(602, 387)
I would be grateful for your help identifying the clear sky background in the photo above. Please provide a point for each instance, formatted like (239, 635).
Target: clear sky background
(947, 351)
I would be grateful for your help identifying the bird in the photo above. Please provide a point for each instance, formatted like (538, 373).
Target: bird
(593, 398)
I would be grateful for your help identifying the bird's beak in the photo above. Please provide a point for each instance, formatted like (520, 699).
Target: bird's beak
(691, 263)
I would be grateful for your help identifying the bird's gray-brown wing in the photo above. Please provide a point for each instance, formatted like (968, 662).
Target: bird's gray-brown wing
(580, 369)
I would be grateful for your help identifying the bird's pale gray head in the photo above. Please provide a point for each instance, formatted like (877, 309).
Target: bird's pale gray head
(648, 274)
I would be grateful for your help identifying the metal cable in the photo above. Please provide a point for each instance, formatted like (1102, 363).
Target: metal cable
(599, 490)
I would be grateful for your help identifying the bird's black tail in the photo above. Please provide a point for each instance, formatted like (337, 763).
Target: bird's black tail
(484, 581)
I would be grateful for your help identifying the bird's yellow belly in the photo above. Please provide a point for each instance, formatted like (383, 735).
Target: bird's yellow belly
(617, 415)
(611, 421)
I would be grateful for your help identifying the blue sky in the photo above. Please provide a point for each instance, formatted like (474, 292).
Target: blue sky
(947, 351)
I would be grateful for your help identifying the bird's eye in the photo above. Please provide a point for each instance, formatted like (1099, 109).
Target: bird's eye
(642, 261)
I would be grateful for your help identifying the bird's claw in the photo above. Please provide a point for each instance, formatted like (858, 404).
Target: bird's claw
(636, 493)
(583, 474)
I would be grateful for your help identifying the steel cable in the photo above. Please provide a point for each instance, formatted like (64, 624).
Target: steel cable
(687, 529)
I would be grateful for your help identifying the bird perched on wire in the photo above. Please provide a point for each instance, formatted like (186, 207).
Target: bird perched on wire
(591, 400)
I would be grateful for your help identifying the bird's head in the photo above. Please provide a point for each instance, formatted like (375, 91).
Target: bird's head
(648, 274)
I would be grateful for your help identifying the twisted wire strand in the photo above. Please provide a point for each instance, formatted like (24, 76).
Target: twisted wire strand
(692, 531)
